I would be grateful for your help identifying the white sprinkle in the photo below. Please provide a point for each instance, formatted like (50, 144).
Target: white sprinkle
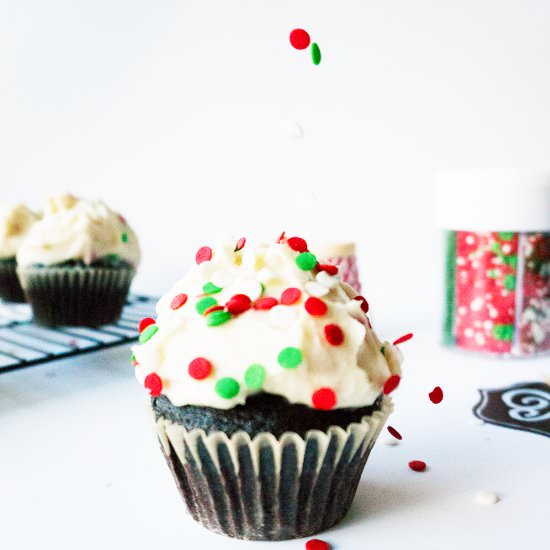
(265, 275)
(470, 239)
(390, 441)
(493, 313)
(290, 129)
(315, 289)
(460, 261)
(476, 304)
(323, 278)
(486, 498)
(504, 293)
(506, 248)
(479, 338)
(469, 332)
(475, 264)
(462, 310)
(477, 324)
(488, 324)
(222, 277)
(282, 316)
(250, 287)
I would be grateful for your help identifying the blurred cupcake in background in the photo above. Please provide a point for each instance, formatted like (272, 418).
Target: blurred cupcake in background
(77, 263)
(15, 222)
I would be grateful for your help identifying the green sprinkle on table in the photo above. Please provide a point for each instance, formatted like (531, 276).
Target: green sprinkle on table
(306, 261)
(254, 377)
(148, 333)
(315, 53)
(211, 288)
(290, 358)
(227, 387)
(217, 318)
(204, 303)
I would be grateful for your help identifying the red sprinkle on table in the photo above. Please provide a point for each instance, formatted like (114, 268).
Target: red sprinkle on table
(281, 237)
(324, 399)
(211, 309)
(240, 244)
(297, 243)
(204, 254)
(290, 296)
(238, 304)
(417, 465)
(144, 323)
(364, 303)
(153, 383)
(334, 335)
(391, 383)
(436, 395)
(317, 544)
(395, 433)
(178, 300)
(266, 303)
(315, 306)
(403, 338)
(299, 39)
(329, 268)
(199, 368)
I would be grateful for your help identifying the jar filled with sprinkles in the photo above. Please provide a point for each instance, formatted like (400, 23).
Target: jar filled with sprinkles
(497, 272)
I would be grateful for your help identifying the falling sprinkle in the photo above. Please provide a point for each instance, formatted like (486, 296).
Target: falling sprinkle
(486, 498)
(299, 39)
(436, 395)
(395, 433)
(417, 465)
(315, 53)
(403, 338)
(290, 129)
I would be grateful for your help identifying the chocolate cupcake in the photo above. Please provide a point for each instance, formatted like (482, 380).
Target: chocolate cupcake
(268, 389)
(77, 263)
(15, 223)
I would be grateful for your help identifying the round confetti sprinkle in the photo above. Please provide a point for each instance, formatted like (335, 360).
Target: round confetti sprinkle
(436, 395)
(289, 358)
(290, 296)
(204, 303)
(265, 275)
(178, 300)
(298, 244)
(324, 399)
(395, 433)
(364, 303)
(254, 377)
(317, 544)
(223, 277)
(251, 288)
(212, 309)
(334, 335)
(199, 368)
(240, 244)
(391, 383)
(306, 261)
(316, 289)
(218, 318)
(299, 39)
(153, 383)
(417, 465)
(323, 278)
(144, 323)
(403, 338)
(282, 316)
(227, 387)
(148, 333)
(266, 303)
(315, 307)
(211, 288)
(204, 254)
(315, 54)
(328, 268)
(486, 498)
(238, 304)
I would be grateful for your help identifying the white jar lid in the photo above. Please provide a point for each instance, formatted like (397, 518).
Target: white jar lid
(493, 201)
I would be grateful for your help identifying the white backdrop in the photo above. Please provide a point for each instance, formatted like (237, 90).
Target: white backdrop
(170, 111)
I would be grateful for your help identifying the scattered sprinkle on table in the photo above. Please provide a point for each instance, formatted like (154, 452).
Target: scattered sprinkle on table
(315, 53)
(403, 338)
(395, 433)
(436, 395)
(299, 39)
(417, 465)
(486, 498)
(317, 544)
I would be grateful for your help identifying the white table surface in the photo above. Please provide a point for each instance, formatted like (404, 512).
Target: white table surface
(80, 469)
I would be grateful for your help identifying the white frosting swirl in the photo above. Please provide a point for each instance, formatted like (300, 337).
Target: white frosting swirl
(15, 223)
(78, 229)
(354, 371)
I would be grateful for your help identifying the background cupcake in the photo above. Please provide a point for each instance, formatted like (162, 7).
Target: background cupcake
(76, 265)
(15, 222)
(268, 388)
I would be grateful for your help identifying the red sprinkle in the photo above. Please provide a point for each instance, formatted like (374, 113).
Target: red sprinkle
(395, 433)
(436, 395)
(315, 306)
(212, 309)
(329, 268)
(290, 296)
(417, 465)
(299, 39)
(154, 384)
(324, 399)
(334, 335)
(317, 544)
(297, 243)
(403, 338)
(178, 300)
(144, 323)
(240, 244)
(281, 237)
(266, 303)
(200, 368)
(364, 303)
(204, 254)
(238, 304)
(391, 383)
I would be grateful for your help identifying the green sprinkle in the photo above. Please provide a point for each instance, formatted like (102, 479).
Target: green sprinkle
(306, 261)
(204, 303)
(315, 53)
(510, 282)
(132, 358)
(227, 387)
(382, 350)
(217, 318)
(254, 377)
(263, 288)
(506, 236)
(112, 258)
(125, 237)
(289, 358)
(503, 332)
(211, 288)
(495, 247)
(511, 260)
(492, 273)
(148, 333)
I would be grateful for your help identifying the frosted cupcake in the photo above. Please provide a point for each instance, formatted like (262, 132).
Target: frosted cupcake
(76, 264)
(15, 223)
(268, 388)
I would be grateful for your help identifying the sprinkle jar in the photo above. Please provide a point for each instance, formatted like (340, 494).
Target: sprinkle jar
(497, 272)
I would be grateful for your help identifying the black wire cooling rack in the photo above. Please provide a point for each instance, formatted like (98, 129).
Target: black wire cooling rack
(23, 343)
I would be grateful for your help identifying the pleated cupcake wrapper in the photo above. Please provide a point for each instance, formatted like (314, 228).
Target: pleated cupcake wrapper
(10, 288)
(269, 488)
(84, 296)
